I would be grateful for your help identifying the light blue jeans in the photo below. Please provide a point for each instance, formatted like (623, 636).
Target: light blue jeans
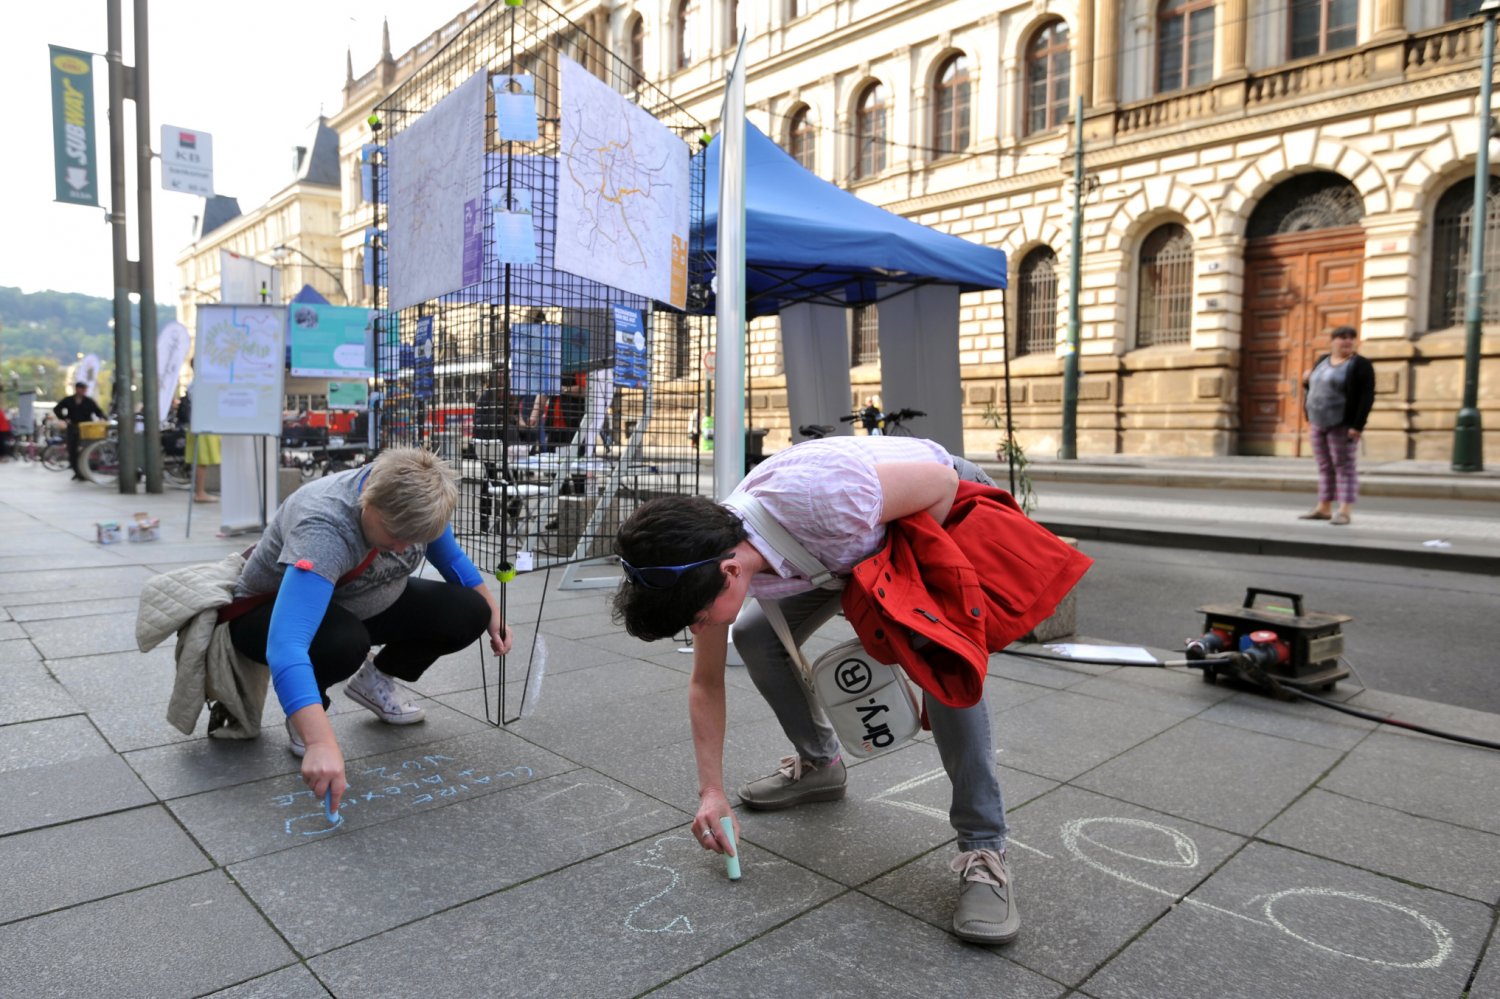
(963, 736)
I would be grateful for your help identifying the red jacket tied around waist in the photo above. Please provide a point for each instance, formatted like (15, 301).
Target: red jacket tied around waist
(938, 599)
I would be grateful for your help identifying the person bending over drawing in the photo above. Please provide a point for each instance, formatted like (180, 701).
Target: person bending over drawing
(333, 575)
(691, 563)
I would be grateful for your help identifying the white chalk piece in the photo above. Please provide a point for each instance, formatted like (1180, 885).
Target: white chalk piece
(731, 864)
(334, 818)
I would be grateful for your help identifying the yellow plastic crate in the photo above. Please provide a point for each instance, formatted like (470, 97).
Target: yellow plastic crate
(93, 430)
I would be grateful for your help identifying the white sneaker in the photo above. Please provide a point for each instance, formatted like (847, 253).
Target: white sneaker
(376, 691)
(294, 741)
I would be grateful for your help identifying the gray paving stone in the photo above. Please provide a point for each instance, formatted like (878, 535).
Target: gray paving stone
(49, 869)
(1179, 691)
(1301, 721)
(1273, 923)
(139, 725)
(204, 764)
(1058, 676)
(31, 694)
(1229, 778)
(178, 939)
(82, 608)
(108, 580)
(417, 865)
(855, 948)
(1487, 979)
(1437, 854)
(19, 651)
(615, 925)
(118, 678)
(1060, 735)
(1090, 873)
(61, 792)
(83, 636)
(249, 820)
(1440, 780)
(295, 982)
(896, 809)
(51, 740)
(1432, 714)
(10, 631)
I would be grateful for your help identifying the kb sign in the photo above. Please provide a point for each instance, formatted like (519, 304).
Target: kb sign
(187, 161)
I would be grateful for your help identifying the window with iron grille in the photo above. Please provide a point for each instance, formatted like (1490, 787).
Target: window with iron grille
(950, 127)
(682, 346)
(1452, 233)
(1165, 296)
(1036, 331)
(864, 341)
(1048, 69)
(1318, 26)
(1184, 44)
(687, 27)
(803, 138)
(869, 132)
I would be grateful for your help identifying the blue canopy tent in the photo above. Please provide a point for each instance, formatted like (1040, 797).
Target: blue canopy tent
(808, 240)
(812, 251)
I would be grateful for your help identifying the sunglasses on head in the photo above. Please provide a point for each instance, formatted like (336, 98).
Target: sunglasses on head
(662, 577)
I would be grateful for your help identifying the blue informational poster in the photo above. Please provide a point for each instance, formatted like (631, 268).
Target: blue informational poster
(515, 106)
(422, 384)
(331, 341)
(514, 234)
(631, 361)
(536, 359)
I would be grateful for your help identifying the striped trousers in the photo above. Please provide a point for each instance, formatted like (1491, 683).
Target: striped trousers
(1335, 454)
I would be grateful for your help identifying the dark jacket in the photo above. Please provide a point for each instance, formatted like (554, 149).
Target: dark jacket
(1359, 391)
(985, 577)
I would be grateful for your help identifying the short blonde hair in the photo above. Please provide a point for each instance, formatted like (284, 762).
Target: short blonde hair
(414, 492)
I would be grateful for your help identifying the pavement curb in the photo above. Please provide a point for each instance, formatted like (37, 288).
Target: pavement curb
(1439, 559)
(1376, 484)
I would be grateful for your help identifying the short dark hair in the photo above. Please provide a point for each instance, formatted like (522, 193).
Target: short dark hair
(81, 385)
(673, 530)
(1342, 331)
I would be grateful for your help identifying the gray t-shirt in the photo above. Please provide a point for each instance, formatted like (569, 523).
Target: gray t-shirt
(320, 523)
(1326, 393)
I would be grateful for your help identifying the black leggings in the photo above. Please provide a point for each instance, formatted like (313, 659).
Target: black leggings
(429, 620)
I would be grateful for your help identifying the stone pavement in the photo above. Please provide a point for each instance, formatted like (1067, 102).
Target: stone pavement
(1170, 838)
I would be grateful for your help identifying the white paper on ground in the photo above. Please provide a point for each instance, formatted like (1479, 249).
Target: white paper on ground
(1124, 653)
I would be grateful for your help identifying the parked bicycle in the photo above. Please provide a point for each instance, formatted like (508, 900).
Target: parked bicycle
(887, 424)
(51, 450)
(101, 459)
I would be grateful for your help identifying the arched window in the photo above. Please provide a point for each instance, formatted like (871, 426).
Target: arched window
(687, 29)
(864, 345)
(638, 46)
(950, 127)
(869, 132)
(1318, 26)
(1164, 304)
(1048, 65)
(1036, 331)
(802, 138)
(1184, 44)
(1452, 231)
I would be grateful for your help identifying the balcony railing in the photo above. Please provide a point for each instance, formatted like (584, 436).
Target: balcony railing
(1428, 53)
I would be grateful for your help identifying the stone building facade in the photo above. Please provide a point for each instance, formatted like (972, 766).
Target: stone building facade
(1254, 174)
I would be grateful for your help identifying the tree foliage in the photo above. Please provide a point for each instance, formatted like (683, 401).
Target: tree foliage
(59, 325)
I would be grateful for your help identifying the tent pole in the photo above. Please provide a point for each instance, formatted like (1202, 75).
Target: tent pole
(729, 402)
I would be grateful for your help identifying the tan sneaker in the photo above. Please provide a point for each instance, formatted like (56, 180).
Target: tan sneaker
(986, 912)
(374, 690)
(796, 782)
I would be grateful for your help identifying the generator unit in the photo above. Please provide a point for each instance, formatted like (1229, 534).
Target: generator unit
(1289, 644)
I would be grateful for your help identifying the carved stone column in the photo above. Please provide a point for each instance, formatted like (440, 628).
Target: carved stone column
(1231, 25)
(1083, 53)
(1107, 44)
(1390, 18)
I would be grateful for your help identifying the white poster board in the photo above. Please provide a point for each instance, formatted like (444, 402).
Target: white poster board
(187, 161)
(239, 368)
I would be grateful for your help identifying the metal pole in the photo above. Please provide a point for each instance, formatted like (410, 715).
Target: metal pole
(124, 403)
(1069, 447)
(1468, 439)
(146, 276)
(729, 363)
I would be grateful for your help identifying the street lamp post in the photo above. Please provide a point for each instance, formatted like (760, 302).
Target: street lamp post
(279, 254)
(1468, 438)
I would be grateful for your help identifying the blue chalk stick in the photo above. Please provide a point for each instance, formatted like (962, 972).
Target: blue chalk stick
(731, 864)
(334, 817)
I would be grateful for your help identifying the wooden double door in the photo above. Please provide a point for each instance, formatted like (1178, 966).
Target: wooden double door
(1297, 287)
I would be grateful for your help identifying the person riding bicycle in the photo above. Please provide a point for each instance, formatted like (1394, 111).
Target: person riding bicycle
(870, 417)
(77, 409)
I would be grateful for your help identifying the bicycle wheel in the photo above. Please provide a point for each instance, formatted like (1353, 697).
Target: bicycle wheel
(176, 470)
(55, 457)
(101, 462)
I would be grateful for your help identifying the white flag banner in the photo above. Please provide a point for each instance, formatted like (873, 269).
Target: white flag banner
(245, 281)
(171, 354)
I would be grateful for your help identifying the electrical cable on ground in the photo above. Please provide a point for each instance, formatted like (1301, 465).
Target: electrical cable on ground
(1253, 674)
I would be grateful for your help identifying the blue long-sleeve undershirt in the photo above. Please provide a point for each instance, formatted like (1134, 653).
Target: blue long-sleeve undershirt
(300, 605)
(451, 562)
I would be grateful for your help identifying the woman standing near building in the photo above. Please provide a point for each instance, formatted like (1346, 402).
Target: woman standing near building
(1340, 390)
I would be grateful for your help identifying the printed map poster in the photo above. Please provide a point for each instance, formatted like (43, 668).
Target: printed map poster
(332, 341)
(238, 369)
(622, 199)
(437, 204)
(632, 365)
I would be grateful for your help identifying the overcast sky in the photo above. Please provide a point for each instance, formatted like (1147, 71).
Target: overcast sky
(254, 76)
